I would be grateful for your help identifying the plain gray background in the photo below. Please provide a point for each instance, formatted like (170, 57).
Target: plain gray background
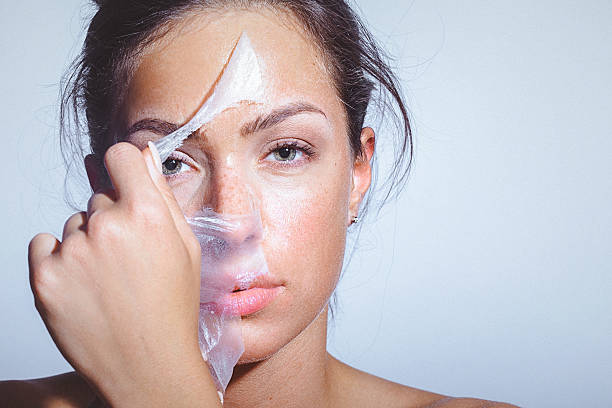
(490, 277)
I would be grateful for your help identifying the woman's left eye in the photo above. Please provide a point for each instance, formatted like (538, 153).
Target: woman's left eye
(289, 153)
(285, 153)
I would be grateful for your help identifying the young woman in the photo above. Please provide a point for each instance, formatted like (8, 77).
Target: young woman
(119, 293)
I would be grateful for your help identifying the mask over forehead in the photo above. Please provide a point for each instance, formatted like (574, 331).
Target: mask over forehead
(241, 81)
(232, 256)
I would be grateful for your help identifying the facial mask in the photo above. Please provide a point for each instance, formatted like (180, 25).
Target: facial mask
(232, 259)
(241, 80)
(229, 260)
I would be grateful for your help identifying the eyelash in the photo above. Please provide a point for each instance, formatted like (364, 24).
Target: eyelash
(303, 147)
(184, 159)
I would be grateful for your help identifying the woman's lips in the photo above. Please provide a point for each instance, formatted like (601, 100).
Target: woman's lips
(249, 301)
(244, 302)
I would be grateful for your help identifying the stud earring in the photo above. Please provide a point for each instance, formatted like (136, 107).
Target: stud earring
(355, 220)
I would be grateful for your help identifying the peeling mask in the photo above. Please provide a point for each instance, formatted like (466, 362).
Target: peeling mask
(229, 262)
(240, 81)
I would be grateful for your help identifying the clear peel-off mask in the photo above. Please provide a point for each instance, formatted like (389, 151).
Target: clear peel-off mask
(232, 260)
(240, 81)
(230, 263)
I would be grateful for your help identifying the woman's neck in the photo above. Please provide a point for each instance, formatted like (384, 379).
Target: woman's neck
(295, 376)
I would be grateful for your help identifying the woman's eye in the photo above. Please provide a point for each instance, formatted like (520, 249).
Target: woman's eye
(178, 162)
(290, 153)
(173, 166)
(285, 153)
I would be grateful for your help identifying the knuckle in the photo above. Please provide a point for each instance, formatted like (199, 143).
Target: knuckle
(74, 220)
(73, 248)
(41, 247)
(35, 241)
(148, 209)
(100, 200)
(92, 201)
(103, 225)
(95, 223)
(73, 217)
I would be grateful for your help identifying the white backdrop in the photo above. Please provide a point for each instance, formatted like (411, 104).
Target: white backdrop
(490, 277)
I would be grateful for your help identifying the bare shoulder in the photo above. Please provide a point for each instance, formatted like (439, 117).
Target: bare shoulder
(60, 391)
(355, 388)
(449, 402)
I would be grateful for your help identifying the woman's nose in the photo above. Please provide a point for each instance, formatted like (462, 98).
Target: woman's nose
(234, 200)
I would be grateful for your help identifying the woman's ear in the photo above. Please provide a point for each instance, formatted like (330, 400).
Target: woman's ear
(362, 172)
(94, 173)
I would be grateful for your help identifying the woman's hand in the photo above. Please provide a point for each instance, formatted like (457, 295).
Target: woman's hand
(120, 294)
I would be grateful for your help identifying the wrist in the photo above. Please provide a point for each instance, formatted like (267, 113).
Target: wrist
(185, 385)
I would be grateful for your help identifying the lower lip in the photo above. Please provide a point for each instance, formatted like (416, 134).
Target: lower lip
(247, 302)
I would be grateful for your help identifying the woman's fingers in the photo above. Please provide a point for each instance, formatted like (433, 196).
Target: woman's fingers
(128, 172)
(101, 200)
(75, 222)
(151, 157)
(137, 178)
(41, 246)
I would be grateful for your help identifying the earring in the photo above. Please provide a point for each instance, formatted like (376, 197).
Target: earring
(355, 220)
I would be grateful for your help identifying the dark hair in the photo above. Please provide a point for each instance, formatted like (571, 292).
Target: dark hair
(120, 29)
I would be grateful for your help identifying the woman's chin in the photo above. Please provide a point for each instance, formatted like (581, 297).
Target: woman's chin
(265, 335)
(261, 341)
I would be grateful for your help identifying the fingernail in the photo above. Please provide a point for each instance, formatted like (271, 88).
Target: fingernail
(155, 156)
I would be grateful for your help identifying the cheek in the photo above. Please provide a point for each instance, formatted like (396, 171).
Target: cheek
(305, 231)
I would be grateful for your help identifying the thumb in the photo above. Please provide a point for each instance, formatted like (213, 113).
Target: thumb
(153, 162)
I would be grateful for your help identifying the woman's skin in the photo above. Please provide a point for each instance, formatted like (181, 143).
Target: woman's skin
(119, 294)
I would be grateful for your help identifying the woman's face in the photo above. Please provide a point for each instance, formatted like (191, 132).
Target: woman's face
(298, 170)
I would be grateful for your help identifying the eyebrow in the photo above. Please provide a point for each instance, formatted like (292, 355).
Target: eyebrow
(266, 121)
(277, 116)
(158, 126)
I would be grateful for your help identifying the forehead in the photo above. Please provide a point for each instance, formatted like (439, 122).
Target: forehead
(176, 72)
